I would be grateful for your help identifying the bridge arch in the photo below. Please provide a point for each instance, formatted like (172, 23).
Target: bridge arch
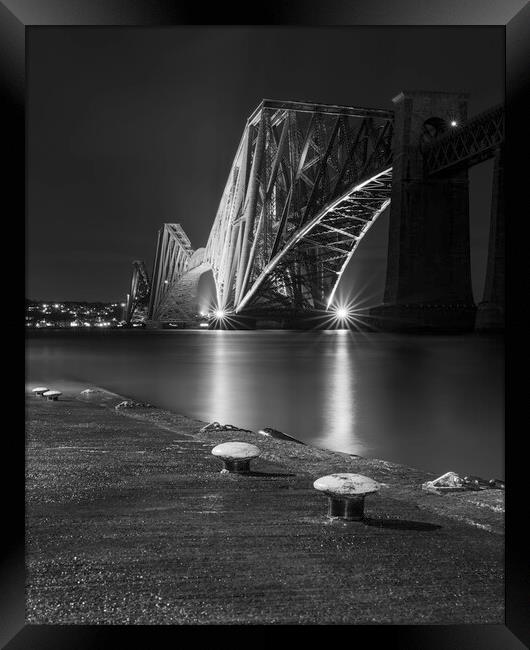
(337, 229)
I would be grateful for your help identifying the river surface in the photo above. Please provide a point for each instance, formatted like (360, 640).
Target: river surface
(433, 402)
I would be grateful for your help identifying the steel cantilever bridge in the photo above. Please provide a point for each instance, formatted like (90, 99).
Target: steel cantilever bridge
(306, 184)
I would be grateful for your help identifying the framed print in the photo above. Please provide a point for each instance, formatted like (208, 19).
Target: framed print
(266, 265)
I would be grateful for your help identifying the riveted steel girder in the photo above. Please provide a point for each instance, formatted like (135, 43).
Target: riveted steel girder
(173, 253)
(138, 296)
(307, 182)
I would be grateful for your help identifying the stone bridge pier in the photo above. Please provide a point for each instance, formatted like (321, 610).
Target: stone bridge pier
(428, 279)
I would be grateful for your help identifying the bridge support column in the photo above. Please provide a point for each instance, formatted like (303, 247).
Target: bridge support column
(490, 313)
(428, 282)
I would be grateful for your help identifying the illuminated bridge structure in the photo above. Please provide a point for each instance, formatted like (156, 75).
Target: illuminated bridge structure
(307, 183)
(137, 302)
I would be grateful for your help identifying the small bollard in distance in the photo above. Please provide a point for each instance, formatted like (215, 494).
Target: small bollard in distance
(346, 493)
(52, 395)
(39, 391)
(475, 482)
(236, 455)
(497, 484)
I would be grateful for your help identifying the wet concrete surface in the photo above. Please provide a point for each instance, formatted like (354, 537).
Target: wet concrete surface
(129, 520)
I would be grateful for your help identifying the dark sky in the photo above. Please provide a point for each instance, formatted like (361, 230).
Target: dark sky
(129, 128)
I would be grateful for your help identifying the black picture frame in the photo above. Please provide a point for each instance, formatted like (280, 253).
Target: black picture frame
(16, 17)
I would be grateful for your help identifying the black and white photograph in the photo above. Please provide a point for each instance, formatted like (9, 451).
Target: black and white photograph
(265, 312)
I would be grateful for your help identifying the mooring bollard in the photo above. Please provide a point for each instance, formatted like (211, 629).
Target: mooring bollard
(346, 493)
(497, 484)
(52, 395)
(236, 455)
(39, 391)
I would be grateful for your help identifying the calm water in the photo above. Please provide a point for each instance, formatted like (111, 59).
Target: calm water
(430, 402)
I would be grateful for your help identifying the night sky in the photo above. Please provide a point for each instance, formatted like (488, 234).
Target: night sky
(129, 128)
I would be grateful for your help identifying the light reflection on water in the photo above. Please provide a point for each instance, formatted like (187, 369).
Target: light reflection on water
(217, 394)
(430, 402)
(340, 400)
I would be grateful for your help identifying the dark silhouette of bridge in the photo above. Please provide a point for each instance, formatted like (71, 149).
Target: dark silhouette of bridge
(307, 183)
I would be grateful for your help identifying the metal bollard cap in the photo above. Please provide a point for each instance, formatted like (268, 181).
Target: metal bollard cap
(344, 485)
(236, 450)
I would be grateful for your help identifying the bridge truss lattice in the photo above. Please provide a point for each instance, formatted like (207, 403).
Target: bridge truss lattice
(138, 297)
(172, 257)
(306, 184)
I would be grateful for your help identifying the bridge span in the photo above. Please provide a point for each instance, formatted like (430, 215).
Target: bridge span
(307, 183)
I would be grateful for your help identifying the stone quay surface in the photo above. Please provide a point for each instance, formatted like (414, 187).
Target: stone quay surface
(130, 521)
